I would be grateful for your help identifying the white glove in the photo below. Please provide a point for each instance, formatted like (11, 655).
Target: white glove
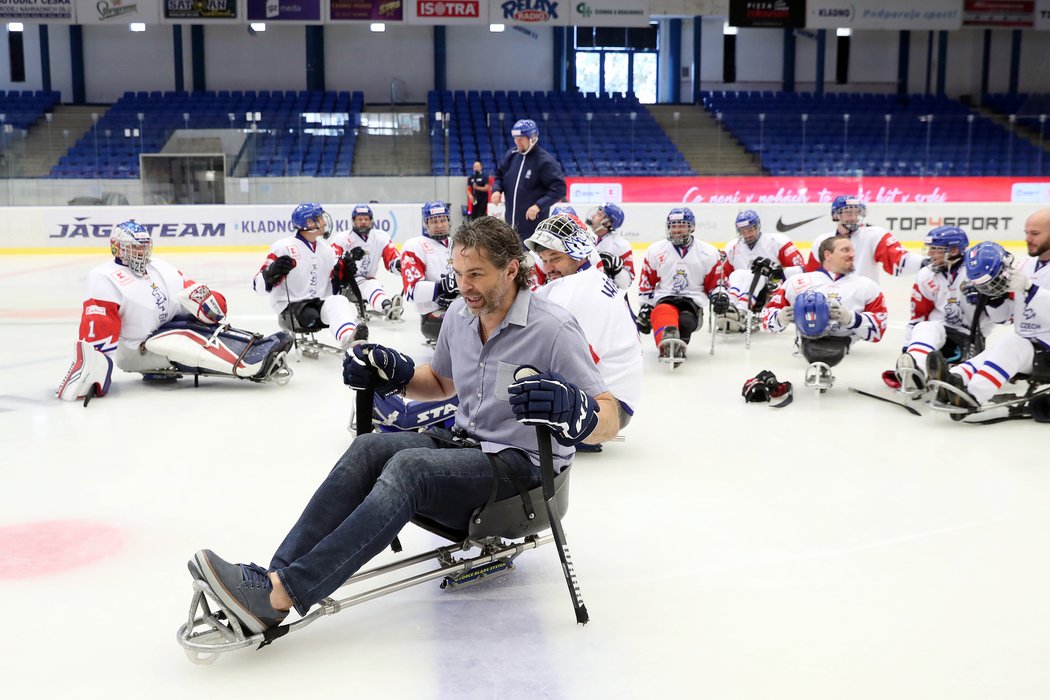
(1019, 282)
(839, 313)
(787, 315)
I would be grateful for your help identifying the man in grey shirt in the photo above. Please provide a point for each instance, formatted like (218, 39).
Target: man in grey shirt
(383, 479)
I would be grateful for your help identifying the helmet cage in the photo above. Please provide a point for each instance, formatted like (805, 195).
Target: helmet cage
(132, 245)
(563, 233)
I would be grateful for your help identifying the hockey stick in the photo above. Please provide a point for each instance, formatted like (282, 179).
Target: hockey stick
(750, 312)
(543, 440)
(352, 284)
(975, 327)
(905, 406)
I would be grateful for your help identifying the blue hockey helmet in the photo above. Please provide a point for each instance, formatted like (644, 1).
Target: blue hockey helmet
(131, 244)
(362, 210)
(848, 203)
(748, 226)
(526, 128)
(435, 220)
(680, 225)
(607, 216)
(563, 208)
(988, 267)
(943, 239)
(812, 313)
(564, 233)
(304, 213)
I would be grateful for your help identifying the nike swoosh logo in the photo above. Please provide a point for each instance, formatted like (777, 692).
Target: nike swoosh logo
(784, 228)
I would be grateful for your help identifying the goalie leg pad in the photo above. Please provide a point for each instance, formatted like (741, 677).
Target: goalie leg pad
(199, 348)
(90, 368)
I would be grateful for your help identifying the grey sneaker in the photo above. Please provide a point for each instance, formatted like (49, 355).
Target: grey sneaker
(243, 588)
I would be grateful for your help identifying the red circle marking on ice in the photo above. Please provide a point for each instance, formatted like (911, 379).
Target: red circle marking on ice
(54, 546)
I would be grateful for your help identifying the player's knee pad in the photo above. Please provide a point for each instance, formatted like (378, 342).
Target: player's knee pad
(91, 370)
(830, 349)
(198, 348)
(430, 325)
(393, 413)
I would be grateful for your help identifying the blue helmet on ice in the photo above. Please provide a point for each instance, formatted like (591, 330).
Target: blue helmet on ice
(435, 220)
(944, 239)
(680, 225)
(564, 233)
(526, 128)
(812, 313)
(304, 213)
(988, 267)
(848, 203)
(132, 245)
(748, 226)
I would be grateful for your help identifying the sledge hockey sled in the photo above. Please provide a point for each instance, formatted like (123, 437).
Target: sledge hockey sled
(1017, 405)
(304, 338)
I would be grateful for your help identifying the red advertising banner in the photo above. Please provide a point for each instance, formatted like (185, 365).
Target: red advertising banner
(998, 13)
(783, 190)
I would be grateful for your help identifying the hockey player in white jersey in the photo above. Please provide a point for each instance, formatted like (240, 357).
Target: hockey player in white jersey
(601, 308)
(875, 246)
(943, 305)
(678, 275)
(617, 255)
(367, 247)
(300, 275)
(771, 257)
(426, 270)
(990, 267)
(144, 315)
(831, 307)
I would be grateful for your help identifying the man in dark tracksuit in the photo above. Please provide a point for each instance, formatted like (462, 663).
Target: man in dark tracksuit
(528, 179)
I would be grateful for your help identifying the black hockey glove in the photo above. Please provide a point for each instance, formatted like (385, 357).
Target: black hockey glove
(345, 269)
(613, 264)
(447, 290)
(720, 303)
(643, 322)
(552, 400)
(277, 271)
(395, 266)
(382, 368)
(770, 269)
(970, 292)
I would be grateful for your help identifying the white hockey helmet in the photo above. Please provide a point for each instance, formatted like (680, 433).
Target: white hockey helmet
(131, 244)
(564, 233)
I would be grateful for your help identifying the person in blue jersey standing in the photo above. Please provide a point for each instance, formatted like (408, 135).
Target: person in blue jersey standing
(528, 180)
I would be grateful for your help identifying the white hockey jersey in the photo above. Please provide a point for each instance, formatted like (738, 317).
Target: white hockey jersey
(378, 248)
(1032, 310)
(311, 278)
(937, 296)
(692, 272)
(614, 244)
(602, 311)
(125, 308)
(857, 294)
(423, 262)
(772, 246)
(873, 247)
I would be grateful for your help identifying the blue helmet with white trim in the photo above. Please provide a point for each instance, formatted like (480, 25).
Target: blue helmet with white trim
(812, 313)
(526, 128)
(680, 225)
(988, 267)
(943, 240)
(563, 208)
(564, 233)
(748, 226)
(435, 220)
(848, 204)
(606, 217)
(362, 210)
(303, 213)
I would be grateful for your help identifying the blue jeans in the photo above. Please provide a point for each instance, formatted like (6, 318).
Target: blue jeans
(375, 488)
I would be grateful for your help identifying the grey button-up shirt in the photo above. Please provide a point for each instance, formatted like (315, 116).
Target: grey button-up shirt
(534, 332)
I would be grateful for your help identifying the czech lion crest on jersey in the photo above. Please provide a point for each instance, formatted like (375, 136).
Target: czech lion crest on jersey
(953, 313)
(680, 281)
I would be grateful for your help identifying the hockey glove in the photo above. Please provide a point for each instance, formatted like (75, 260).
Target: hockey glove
(841, 314)
(448, 287)
(1019, 283)
(612, 264)
(277, 271)
(369, 365)
(345, 270)
(205, 305)
(970, 292)
(720, 302)
(395, 266)
(643, 322)
(552, 400)
(762, 267)
(786, 315)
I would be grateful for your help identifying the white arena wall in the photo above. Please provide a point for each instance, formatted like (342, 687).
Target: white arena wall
(239, 227)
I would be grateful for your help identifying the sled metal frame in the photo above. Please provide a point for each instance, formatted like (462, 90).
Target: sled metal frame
(209, 632)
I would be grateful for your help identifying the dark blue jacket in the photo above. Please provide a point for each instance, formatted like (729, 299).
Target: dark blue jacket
(524, 180)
